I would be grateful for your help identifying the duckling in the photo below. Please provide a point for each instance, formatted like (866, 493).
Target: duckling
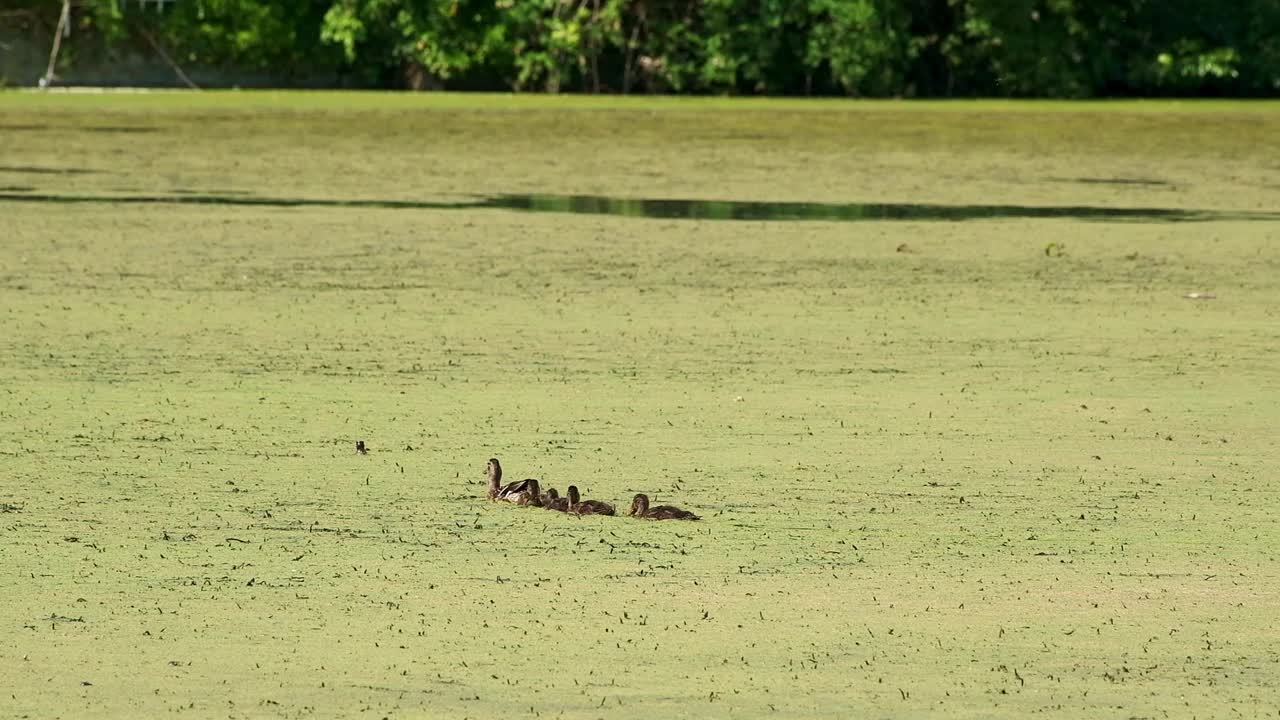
(552, 501)
(587, 507)
(640, 508)
(516, 492)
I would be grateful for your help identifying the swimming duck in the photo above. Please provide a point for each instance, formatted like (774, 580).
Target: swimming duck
(640, 508)
(587, 507)
(524, 492)
(551, 500)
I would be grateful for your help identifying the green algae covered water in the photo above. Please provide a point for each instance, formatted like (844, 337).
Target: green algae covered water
(990, 468)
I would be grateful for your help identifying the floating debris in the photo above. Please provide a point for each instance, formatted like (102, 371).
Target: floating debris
(1200, 296)
(54, 617)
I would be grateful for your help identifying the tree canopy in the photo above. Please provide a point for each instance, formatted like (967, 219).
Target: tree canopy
(921, 48)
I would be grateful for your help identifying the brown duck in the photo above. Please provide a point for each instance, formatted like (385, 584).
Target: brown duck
(587, 507)
(523, 492)
(551, 500)
(640, 508)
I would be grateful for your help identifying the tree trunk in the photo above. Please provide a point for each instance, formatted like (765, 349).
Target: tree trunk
(416, 76)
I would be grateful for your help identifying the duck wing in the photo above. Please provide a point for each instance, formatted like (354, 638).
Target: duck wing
(668, 512)
(516, 491)
(593, 507)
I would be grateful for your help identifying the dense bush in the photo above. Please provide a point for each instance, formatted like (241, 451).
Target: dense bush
(1054, 48)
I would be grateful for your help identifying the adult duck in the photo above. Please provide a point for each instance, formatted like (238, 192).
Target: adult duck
(640, 508)
(587, 507)
(523, 492)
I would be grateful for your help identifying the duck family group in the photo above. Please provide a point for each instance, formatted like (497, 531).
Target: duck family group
(528, 492)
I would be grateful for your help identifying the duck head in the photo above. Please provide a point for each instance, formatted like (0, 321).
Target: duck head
(574, 498)
(494, 474)
(640, 505)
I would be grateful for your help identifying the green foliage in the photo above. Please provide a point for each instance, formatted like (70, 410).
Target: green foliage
(248, 34)
(255, 34)
(442, 39)
(554, 45)
(1054, 48)
(1077, 48)
(1023, 45)
(1191, 63)
(860, 43)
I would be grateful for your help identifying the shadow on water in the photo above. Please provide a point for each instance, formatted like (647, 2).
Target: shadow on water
(675, 209)
(1147, 182)
(38, 170)
(88, 128)
(128, 129)
(839, 212)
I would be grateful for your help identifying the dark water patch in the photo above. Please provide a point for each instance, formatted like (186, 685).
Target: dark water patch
(183, 191)
(37, 170)
(117, 129)
(678, 209)
(88, 128)
(239, 200)
(1115, 181)
(841, 212)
